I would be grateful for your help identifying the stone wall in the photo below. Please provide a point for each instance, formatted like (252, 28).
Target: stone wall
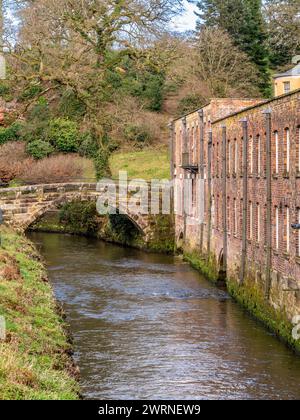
(252, 197)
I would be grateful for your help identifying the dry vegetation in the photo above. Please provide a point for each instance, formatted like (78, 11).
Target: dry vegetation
(16, 165)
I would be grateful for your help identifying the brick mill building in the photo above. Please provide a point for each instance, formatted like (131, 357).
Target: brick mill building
(247, 152)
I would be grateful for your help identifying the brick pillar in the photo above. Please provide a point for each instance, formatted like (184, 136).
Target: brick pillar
(268, 116)
(224, 201)
(245, 200)
(201, 169)
(209, 198)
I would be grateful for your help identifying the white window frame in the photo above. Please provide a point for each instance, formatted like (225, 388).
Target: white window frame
(277, 227)
(276, 152)
(288, 148)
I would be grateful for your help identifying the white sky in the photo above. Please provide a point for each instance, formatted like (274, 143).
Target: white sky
(188, 20)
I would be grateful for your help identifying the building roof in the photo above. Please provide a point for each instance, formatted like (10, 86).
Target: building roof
(295, 71)
(264, 103)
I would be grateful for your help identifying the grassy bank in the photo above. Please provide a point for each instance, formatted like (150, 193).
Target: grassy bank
(34, 359)
(147, 164)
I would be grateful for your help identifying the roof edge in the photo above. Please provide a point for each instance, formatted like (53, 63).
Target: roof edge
(265, 102)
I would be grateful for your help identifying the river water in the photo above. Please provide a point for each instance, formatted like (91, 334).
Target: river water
(149, 327)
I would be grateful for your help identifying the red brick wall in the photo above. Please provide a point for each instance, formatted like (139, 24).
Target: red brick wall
(285, 114)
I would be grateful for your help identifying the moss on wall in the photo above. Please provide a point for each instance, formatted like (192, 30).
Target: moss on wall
(251, 297)
(206, 266)
(81, 218)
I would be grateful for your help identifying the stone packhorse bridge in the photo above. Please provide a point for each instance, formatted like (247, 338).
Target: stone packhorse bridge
(22, 206)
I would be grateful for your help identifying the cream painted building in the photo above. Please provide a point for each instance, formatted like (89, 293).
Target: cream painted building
(288, 81)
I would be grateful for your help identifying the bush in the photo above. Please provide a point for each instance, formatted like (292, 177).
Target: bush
(190, 103)
(101, 161)
(64, 136)
(39, 149)
(59, 168)
(88, 146)
(137, 134)
(11, 133)
(12, 161)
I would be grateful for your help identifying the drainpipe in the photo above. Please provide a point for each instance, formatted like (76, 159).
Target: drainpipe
(184, 179)
(224, 188)
(209, 180)
(268, 115)
(201, 169)
(245, 201)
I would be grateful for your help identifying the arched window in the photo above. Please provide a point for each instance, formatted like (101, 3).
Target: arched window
(287, 151)
(228, 216)
(298, 149)
(276, 228)
(250, 221)
(235, 218)
(258, 223)
(287, 228)
(241, 155)
(276, 137)
(229, 158)
(298, 236)
(258, 155)
(236, 155)
(251, 150)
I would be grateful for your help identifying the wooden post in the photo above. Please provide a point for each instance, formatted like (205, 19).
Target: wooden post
(245, 201)
(209, 180)
(201, 170)
(224, 188)
(268, 116)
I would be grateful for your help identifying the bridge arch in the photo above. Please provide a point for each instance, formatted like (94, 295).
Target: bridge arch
(22, 206)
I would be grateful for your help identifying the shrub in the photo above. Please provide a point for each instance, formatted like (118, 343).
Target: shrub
(64, 136)
(101, 161)
(59, 168)
(189, 103)
(12, 133)
(12, 161)
(88, 145)
(39, 149)
(30, 92)
(137, 133)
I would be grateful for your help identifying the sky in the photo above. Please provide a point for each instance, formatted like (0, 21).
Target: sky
(187, 21)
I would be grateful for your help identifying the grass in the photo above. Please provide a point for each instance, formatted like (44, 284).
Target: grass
(34, 359)
(147, 164)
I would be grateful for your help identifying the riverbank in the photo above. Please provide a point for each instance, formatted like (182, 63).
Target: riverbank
(35, 362)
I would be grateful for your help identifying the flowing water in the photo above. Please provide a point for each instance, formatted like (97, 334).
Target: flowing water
(149, 327)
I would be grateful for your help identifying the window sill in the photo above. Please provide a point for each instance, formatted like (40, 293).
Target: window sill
(286, 175)
(275, 176)
(298, 260)
(298, 176)
(286, 255)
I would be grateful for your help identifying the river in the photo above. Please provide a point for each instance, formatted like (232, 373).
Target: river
(148, 326)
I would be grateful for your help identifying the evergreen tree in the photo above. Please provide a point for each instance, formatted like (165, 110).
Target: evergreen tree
(243, 20)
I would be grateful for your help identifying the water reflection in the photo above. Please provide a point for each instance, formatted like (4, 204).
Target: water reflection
(148, 326)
